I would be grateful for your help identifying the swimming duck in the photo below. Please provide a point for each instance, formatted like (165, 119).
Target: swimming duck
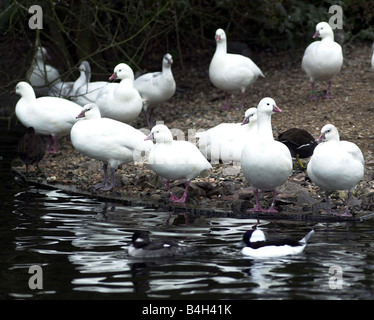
(336, 165)
(231, 72)
(266, 163)
(142, 247)
(174, 160)
(256, 245)
(120, 101)
(49, 116)
(107, 140)
(322, 59)
(225, 141)
(300, 143)
(156, 87)
(31, 148)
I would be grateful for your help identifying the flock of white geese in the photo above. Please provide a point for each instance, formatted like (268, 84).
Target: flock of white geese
(96, 115)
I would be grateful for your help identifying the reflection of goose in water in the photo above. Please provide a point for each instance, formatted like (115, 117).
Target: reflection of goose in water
(177, 218)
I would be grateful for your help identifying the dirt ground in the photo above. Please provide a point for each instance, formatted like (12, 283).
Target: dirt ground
(197, 105)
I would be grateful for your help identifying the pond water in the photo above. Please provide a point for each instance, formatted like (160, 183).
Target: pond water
(80, 246)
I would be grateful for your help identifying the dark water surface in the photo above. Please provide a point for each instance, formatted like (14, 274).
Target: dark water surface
(80, 245)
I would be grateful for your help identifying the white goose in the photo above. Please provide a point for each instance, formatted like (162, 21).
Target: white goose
(46, 79)
(336, 165)
(47, 115)
(323, 59)
(120, 101)
(107, 140)
(231, 72)
(175, 160)
(42, 74)
(156, 87)
(225, 141)
(266, 163)
(84, 91)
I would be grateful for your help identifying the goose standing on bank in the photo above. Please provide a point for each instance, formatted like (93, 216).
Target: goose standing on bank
(322, 59)
(336, 165)
(84, 91)
(174, 160)
(156, 87)
(42, 74)
(46, 79)
(110, 141)
(49, 116)
(120, 101)
(225, 141)
(266, 163)
(231, 73)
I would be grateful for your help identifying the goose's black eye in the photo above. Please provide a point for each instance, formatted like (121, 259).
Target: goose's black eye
(268, 104)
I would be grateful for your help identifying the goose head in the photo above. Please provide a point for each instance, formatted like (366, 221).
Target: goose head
(268, 105)
(323, 30)
(85, 67)
(160, 134)
(89, 111)
(250, 116)
(42, 54)
(167, 60)
(220, 36)
(329, 133)
(122, 71)
(25, 90)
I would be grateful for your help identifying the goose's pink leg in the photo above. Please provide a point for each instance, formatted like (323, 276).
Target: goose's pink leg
(257, 208)
(243, 99)
(314, 95)
(346, 212)
(328, 211)
(272, 207)
(184, 196)
(227, 105)
(103, 185)
(48, 148)
(328, 95)
(173, 197)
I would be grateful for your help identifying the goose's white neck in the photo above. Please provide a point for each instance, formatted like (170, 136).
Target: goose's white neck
(328, 37)
(166, 68)
(28, 95)
(264, 130)
(124, 87)
(221, 47)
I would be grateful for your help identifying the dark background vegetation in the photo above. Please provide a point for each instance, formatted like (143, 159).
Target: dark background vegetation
(140, 32)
